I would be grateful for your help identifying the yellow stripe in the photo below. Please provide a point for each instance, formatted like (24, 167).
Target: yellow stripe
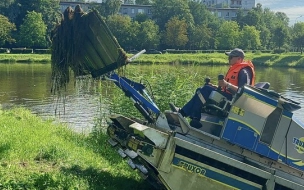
(250, 126)
(296, 161)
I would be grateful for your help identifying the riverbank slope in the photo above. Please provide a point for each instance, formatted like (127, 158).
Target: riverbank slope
(259, 59)
(37, 154)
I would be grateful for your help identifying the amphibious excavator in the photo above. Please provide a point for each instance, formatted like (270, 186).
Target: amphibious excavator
(250, 142)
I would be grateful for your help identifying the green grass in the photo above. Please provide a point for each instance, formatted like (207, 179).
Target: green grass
(37, 154)
(168, 84)
(259, 59)
(25, 58)
(198, 58)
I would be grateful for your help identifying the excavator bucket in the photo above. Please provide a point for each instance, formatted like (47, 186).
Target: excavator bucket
(83, 43)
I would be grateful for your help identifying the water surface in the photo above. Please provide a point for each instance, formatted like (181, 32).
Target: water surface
(29, 85)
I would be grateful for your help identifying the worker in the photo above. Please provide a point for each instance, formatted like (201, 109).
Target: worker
(240, 73)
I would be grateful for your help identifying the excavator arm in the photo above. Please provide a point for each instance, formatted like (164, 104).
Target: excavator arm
(138, 94)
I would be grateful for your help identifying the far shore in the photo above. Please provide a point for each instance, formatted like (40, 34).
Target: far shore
(258, 59)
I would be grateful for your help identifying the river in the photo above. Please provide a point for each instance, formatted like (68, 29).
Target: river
(29, 86)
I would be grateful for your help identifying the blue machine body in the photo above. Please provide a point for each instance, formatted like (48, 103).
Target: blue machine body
(264, 123)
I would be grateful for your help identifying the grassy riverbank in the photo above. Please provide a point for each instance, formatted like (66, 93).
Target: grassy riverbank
(37, 154)
(25, 58)
(259, 59)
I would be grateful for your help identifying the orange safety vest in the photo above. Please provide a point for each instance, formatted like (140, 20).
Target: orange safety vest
(233, 72)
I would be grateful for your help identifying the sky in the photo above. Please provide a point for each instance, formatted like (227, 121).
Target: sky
(294, 9)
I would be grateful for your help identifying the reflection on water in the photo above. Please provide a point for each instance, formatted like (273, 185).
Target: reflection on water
(78, 111)
(298, 97)
(289, 82)
(29, 85)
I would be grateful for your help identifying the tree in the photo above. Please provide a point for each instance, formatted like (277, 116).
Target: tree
(143, 2)
(5, 3)
(252, 18)
(141, 17)
(298, 36)
(4, 7)
(5, 30)
(228, 35)
(121, 28)
(282, 18)
(214, 27)
(33, 31)
(113, 6)
(240, 18)
(108, 8)
(280, 36)
(148, 34)
(18, 9)
(268, 18)
(265, 37)
(250, 38)
(135, 40)
(46, 7)
(258, 8)
(164, 10)
(176, 33)
(50, 14)
(200, 37)
(201, 15)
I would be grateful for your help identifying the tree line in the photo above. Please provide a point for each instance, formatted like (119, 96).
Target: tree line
(175, 24)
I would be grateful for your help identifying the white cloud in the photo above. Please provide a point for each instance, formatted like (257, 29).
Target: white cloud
(292, 12)
(295, 14)
(292, 8)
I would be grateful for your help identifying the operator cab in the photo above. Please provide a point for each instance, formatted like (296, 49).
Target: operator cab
(213, 116)
(219, 105)
(216, 110)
